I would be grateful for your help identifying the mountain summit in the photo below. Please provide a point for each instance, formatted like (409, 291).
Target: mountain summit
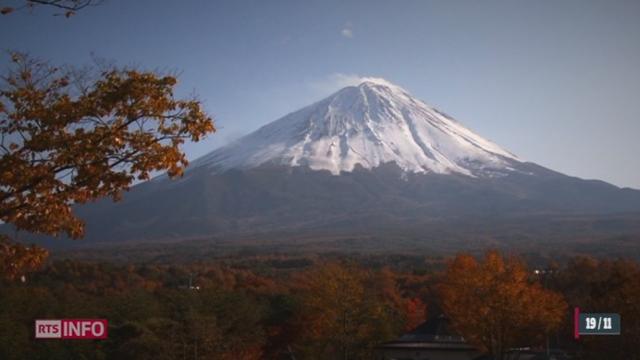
(367, 125)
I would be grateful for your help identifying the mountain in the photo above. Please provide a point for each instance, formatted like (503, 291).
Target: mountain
(369, 160)
(368, 125)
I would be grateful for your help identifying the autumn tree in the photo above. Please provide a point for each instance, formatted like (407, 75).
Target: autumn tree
(16, 259)
(71, 136)
(345, 312)
(604, 286)
(496, 305)
(410, 309)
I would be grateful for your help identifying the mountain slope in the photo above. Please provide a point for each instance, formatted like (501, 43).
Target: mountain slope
(265, 201)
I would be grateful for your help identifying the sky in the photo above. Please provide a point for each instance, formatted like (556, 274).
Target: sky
(555, 82)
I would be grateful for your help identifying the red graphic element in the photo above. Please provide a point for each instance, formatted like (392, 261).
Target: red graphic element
(576, 322)
(71, 329)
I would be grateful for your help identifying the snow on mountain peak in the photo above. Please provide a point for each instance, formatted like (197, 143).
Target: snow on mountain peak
(367, 125)
(378, 81)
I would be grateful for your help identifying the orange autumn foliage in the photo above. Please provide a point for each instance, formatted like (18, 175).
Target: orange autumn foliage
(16, 260)
(495, 305)
(415, 313)
(69, 137)
(346, 310)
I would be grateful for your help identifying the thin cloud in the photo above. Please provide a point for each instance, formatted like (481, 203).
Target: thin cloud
(348, 33)
(347, 30)
(334, 82)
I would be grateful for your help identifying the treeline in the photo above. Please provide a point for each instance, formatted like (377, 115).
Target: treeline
(209, 311)
(310, 308)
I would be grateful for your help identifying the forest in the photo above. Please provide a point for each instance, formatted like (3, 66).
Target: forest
(332, 307)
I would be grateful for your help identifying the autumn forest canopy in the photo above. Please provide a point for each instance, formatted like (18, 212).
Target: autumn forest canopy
(254, 307)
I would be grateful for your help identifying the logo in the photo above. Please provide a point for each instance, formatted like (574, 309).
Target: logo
(71, 329)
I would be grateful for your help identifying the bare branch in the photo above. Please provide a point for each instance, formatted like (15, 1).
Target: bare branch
(70, 7)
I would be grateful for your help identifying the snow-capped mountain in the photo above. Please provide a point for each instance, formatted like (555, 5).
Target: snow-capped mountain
(370, 124)
(390, 165)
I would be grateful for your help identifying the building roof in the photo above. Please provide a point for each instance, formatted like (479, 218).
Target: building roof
(435, 333)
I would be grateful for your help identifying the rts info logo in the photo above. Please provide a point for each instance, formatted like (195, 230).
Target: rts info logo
(71, 329)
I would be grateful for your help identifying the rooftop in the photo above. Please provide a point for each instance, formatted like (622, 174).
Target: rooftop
(435, 333)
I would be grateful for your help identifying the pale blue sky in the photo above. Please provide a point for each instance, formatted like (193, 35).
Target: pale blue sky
(555, 82)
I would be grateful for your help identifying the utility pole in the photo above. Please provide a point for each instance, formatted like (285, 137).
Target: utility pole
(291, 354)
(546, 278)
(544, 274)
